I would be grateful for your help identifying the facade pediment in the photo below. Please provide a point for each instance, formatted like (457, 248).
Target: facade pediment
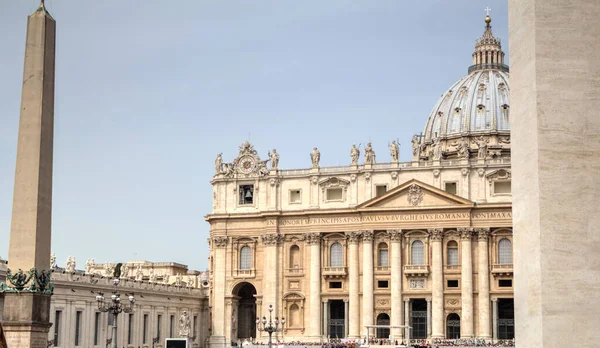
(414, 194)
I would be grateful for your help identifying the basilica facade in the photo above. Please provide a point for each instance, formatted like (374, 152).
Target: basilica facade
(407, 251)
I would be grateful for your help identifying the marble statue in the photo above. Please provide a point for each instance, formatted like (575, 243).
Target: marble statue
(415, 146)
(166, 278)
(89, 266)
(139, 274)
(70, 267)
(109, 269)
(369, 154)
(190, 282)
(463, 149)
(184, 325)
(125, 271)
(482, 144)
(53, 261)
(437, 149)
(152, 278)
(178, 279)
(394, 151)
(315, 157)
(274, 156)
(354, 155)
(219, 164)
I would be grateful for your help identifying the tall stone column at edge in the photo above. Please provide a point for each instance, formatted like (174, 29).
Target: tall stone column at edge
(314, 304)
(483, 276)
(27, 314)
(555, 98)
(270, 287)
(368, 300)
(353, 284)
(466, 275)
(396, 305)
(437, 286)
(219, 245)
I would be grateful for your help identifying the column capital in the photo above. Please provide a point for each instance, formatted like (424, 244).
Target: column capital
(407, 300)
(325, 300)
(483, 233)
(466, 233)
(346, 300)
(395, 235)
(367, 236)
(272, 239)
(313, 238)
(353, 237)
(435, 234)
(428, 299)
(220, 242)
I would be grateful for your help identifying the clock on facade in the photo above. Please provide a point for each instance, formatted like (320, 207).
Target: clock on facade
(246, 164)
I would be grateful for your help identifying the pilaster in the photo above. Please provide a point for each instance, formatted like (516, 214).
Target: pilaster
(437, 286)
(314, 242)
(368, 304)
(396, 275)
(483, 277)
(466, 274)
(353, 238)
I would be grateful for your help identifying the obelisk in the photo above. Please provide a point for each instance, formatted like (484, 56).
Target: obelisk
(27, 302)
(555, 128)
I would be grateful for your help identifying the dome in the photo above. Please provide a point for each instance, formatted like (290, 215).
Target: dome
(475, 110)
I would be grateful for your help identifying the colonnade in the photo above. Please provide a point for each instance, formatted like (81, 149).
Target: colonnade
(357, 316)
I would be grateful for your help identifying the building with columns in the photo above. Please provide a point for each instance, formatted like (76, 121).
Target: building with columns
(416, 250)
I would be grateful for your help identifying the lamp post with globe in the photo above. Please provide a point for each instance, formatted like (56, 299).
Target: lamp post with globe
(114, 306)
(270, 326)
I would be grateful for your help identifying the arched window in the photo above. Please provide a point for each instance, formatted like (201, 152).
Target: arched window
(335, 255)
(382, 255)
(452, 253)
(294, 316)
(417, 253)
(295, 262)
(505, 252)
(245, 257)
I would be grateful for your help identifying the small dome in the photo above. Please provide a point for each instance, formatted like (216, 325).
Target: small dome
(478, 104)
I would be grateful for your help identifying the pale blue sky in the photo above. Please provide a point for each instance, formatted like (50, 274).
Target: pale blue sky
(148, 92)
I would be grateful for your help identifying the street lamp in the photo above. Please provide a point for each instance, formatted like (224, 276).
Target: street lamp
(115, 307)
(268, 326)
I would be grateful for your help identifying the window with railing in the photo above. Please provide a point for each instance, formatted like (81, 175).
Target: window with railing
(245, 258)
(417, 253)
(336, 255)
(505, 252)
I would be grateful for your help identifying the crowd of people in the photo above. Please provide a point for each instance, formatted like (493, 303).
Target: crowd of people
(435, 343)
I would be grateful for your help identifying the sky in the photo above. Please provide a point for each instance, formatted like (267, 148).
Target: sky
(148, 92)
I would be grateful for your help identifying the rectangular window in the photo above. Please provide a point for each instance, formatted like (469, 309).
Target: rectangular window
(295, 196)
(502, 187)
(145, 332)
(57, 325)
(77, 327)
(453, 283)
(335, 285)
(383, 258)
(130, 330)
(380, 190)
(334, 194)
(505, 283)
(96, 328)
(451, 187)
(382, 284)
(158, 325)
(246, 194)
(172, 326)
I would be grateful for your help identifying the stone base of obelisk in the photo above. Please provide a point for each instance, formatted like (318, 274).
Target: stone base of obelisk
(26, 319)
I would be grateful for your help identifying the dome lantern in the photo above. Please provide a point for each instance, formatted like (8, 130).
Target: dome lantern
(488, 50)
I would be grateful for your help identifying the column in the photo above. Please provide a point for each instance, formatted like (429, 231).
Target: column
(396, 271)
(466, 282)
(270, 278)
(555, 89)
(346, 324)
(367, 314)
(407, 319)
(26, 314)
(325, 318)
(495, 319)
(314, 241)
(218, 245)
(429, 318)
(483, 277)
(353, 286)
(437, 286)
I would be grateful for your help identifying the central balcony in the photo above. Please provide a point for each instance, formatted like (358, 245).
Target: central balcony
(416, 270)
(505, 269)
(334, 272)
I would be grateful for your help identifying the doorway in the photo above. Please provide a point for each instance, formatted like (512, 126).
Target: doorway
(453, 326)
(419, 318)
(506, 318)
(383, 332)
(246, 316)
(337, 319)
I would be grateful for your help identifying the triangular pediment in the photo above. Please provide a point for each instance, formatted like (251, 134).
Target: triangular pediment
(415, 194)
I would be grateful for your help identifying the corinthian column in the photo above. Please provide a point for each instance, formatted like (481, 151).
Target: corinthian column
(219, 244)
(270, 278)
(437, 283)
(314, 301)
(483, 276)
(466, 275)
(367, 314)
(353, 286)
(396, 241)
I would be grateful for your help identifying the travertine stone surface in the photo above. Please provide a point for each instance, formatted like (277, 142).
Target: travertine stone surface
(555, 96)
